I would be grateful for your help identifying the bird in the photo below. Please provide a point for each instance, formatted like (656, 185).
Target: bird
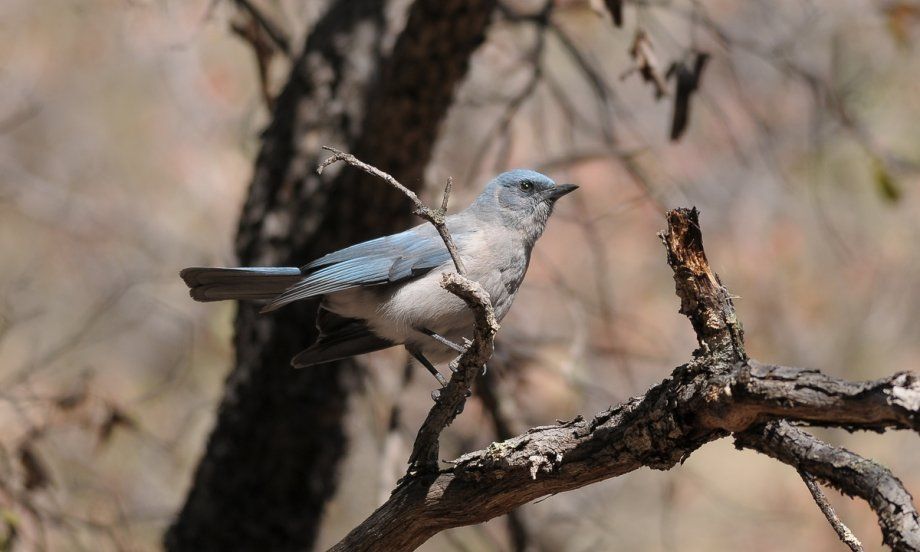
(386, 291)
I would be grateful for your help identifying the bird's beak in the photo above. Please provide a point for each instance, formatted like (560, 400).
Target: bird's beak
(562, 189)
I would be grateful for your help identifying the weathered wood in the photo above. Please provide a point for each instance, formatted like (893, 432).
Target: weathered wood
(717, 393)
(849, 473)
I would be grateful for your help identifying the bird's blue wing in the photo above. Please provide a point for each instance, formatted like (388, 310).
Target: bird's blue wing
(383, 260)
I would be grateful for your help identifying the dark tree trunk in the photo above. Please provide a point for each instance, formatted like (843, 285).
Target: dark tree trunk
(271, 460)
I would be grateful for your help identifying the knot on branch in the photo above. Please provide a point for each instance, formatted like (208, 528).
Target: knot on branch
(905, 395)
(703, 299)
(435, 216)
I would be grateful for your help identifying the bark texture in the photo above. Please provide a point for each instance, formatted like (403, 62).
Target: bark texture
(717, 393)
(849, 473)
(270, 463)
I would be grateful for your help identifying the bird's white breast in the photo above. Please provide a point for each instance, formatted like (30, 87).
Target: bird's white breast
(397, 312)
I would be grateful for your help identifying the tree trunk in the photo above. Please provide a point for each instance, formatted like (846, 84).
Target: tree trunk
(270, 463)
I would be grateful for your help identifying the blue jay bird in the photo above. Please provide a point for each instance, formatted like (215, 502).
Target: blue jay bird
(387, 292)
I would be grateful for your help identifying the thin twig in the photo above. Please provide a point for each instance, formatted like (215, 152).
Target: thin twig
(513, 105)
(275, 33)
(435, 216)
(842, 530)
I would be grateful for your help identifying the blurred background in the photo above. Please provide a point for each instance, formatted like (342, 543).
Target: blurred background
(128, 132)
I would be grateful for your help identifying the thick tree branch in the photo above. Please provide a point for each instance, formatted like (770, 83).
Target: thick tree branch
(758, 392)
(716, 393)
(500, 404)
(845, 471)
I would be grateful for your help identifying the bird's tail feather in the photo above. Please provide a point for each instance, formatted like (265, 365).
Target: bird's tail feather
(246, 283)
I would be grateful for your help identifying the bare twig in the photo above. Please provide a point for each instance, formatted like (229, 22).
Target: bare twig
(275, 33)
(266, 38)
(839, 527)
(435, 216)
(251, 32)
(514, 104)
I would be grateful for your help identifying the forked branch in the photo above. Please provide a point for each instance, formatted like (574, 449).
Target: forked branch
(717, 393)
(435, 216)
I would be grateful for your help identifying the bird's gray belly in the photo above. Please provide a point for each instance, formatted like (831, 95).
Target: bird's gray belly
(400, 312)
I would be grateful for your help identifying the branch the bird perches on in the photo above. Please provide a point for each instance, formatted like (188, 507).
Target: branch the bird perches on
(717, 393)
(449, 401)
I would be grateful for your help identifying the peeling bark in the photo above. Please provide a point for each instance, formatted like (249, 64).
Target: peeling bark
(847, 472)
(717, 393)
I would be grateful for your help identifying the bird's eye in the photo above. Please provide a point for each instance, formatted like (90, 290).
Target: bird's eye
(526, 185)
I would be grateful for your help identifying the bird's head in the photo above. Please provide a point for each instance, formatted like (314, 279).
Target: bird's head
(523, 199)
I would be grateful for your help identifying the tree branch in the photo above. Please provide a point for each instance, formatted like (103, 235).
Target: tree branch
(843, 532)
(434, 216)
(703, 299)
(716, 393)
(501, 406)
(378, 78)
(277, 35)
(757, 392)
(449, 401)
(847, 472)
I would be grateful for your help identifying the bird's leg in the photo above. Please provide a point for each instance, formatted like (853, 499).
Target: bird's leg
(427, 364)
(451, 345)
(443, 340)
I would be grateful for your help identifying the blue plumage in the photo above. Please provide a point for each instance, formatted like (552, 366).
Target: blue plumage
(386, 291)
(384, 260)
